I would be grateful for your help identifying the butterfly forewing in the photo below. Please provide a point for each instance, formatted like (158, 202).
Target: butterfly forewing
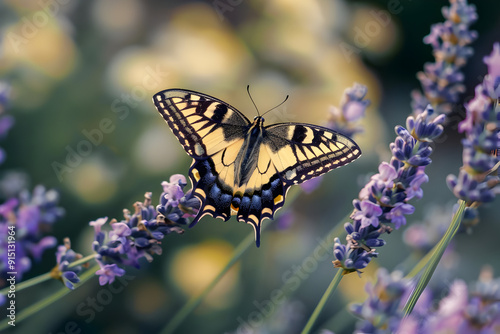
(303, 151)
(203, 125)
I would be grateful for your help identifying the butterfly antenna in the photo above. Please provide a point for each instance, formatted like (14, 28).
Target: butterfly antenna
(250, 95)
(286, 98)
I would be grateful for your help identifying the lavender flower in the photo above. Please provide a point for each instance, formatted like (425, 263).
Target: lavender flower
(442, 81)
(108, 272)
(463, 310)
(352, 108)
(344, 120)
(32, 215)
(62, 272)
(6, 121)
(474, 185)
(383, 201)
(140, 234)
(382, 311)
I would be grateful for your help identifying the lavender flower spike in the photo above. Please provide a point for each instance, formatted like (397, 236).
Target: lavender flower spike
(352, 108)
(463, 310)
(32, 214)
(383, 203)
(6, 121)
(384, 308)
(344, 120)
(442, 81)
(140, 234)
(474, 183)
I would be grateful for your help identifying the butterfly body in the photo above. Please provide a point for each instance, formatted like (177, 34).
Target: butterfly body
(247, 158)
(244, 168)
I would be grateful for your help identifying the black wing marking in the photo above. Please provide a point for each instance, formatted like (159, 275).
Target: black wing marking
(303, 151)
(203, 124)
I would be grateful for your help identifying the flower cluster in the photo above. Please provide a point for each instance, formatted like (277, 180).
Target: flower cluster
(474, 185)
(442, 81)
(475, 311)
(384, 198)
(139, 235)
(463, 310)
(62, 271)
(352, 108)
(344, 120)
(6, 121)
(31, 215)
(382, 312)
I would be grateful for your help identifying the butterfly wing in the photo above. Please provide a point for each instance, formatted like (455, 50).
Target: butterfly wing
(203, 124)
(303, 151)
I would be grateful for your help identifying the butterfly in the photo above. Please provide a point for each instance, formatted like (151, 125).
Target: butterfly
(244, 168)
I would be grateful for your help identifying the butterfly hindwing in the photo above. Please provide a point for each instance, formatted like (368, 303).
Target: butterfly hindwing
(303, 151)
(250, 205)
(203, 124)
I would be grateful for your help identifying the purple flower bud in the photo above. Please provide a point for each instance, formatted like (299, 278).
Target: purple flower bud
(396, 215)
(97, 224)
(108, 272)
(493, 61)
(368, 214)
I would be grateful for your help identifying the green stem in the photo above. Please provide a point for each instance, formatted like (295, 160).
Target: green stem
(82, 260)
(26, 284)
(196, 300)
(422, 263)
(30, 310)
(434, 259)
(44, 277)
(329, 291)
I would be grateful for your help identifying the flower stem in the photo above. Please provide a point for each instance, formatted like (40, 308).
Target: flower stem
(329, 291)
(434, 259)
(26, 284)
(196, 300)
(82, 260)
(44, 277)
(32, 309)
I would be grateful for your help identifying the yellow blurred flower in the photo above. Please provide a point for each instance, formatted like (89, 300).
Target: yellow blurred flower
(92, 181)
(374, 32)
(39, 42)
(118, 19)
(201, 49)
(195, 266)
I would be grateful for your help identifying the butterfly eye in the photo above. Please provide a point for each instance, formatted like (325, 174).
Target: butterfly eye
(259, 118)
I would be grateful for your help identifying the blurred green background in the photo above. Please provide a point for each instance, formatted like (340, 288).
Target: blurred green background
(73, 64)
